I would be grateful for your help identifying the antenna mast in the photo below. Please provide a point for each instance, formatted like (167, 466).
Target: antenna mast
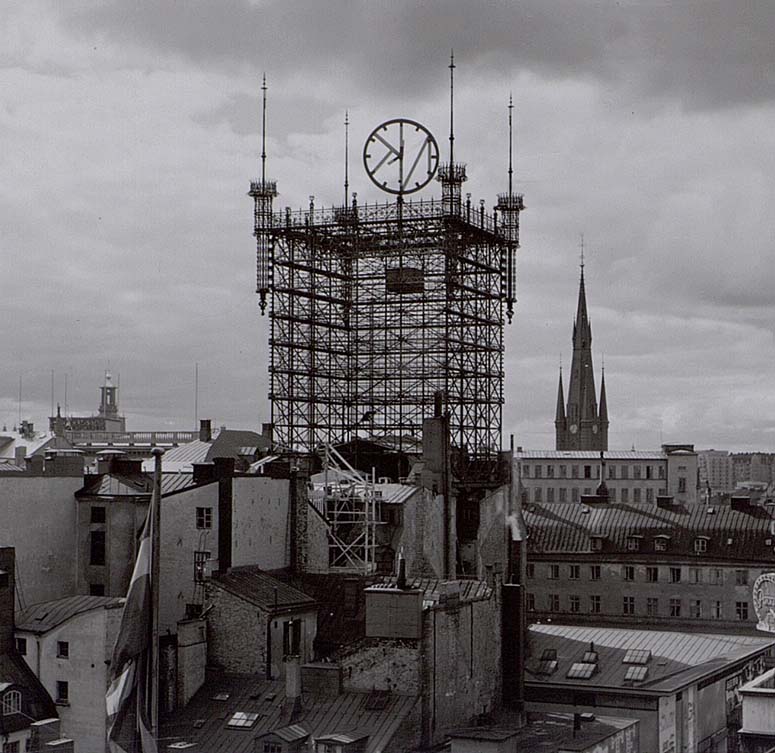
(263, 130)
(452, 107)
(511, 146)
(346, 156)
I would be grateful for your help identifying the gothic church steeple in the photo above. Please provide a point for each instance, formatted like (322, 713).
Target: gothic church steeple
(583, 425)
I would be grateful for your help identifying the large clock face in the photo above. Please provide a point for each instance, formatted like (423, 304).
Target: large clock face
(401, 156)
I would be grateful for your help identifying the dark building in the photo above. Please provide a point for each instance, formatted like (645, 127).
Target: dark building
(583, 424)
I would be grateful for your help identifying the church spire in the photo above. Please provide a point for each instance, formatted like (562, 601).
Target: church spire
(603, 402)
(559, 416)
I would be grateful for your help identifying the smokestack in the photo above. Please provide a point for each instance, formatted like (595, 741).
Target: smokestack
(401, 582)
(292, 677)
(205, 430)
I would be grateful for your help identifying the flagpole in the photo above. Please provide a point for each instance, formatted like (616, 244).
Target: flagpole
(157, 452)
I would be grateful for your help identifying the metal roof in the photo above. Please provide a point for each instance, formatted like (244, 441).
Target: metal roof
(203, 720)
(569, 528)
(677, 659)
(258, 587)
(140, 485)
(291, 733)
(592, 455)
(40, 618)
(433, 589)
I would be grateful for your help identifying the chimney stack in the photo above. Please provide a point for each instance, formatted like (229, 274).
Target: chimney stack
(205, 430)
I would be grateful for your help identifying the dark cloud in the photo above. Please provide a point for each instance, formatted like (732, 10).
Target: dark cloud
(704, 53)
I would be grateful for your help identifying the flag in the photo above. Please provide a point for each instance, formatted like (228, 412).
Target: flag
(129, 689)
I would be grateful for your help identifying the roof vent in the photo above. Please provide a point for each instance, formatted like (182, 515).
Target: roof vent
(711, 511)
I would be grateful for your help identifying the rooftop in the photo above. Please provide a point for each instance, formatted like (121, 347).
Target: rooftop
(435, 591)
(570, 527)
(258, 587)
(642, 455)
(671, 660)
(40, 618)
(204, 721)
(137, 485)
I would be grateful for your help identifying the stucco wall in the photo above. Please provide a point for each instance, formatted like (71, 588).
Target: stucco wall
(260, 522)
(38, 518)
(387, 665)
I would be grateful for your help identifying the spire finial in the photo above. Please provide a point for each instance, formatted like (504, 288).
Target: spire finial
(511, 144)
(582, 254)
(263, 130)
(346, 156)
(452, 107)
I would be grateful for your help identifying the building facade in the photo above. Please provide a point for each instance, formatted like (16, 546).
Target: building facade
(631, 477)
(688, 568)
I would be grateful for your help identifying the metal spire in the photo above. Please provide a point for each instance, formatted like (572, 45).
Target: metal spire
(511, 145)
(263, 132)
(346, 156)
(452, 107)
(582, 255)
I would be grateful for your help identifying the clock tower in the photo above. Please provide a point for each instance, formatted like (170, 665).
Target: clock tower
(583, 424)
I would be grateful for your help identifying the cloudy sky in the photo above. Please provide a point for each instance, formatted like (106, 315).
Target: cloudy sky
(129, 134)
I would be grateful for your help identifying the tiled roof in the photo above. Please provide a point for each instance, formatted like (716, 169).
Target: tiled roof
(203, 721)
(470, 590)
(676, 658)
(569, 528)
(42, 617)
(258, 587)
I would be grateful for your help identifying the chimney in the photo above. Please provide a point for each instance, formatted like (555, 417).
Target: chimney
(205, 430)
(292, 677)
(19, 454)
(401, 582)
(192, 658)
(41, 733)
(7, 563)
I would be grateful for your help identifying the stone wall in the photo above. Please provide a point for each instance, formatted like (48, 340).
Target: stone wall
(383, 665)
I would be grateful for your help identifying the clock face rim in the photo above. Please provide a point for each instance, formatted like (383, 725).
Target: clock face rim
(573, 428)
(434, 147)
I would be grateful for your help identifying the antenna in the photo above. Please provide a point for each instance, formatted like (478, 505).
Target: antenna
(196, 394)
(346, 156)
(452, 107)
(582, 254)
(20, 402)
(511, 145)
(263, 131)
(52, 393)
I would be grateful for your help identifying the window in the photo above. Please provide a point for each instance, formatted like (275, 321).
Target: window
(12, 702)
(652, 574)
(636, 471)
(587, 490)
(660, 544)
(96, 589)
(574, 572)
(531, 602)
(574, 471)
(625, 472)
(242, 719)
(636, 495)
(700, 546)
(597, 543)
(715, 576)
(574, 494)
(741, 610)
(633, 543)
(636, 674)
(97, 548)
(675, 607)
(695, 575)
(63, 650)
(594, 604)
(292, 637)
(581, 671)
(526, 470)
(574, 604)
(625, 495)
(695, 609)
(652, 607)
(628, 572)
(675, 574)
(612, 494)
(21, 646)
(530, 570)
(549, 471)
(563, 471)
(97, 514)
(538, 471)
(587, 471)
(554, 602)
(594, 572)
(611, 471)
(537, 494)
(563, 494)
(550, 494)
(648, 471)
(554, 572)
(628, 605)
(681, 485)
(204, 517)
(716, 611)
(270, 747)
(741, 577)
(662, 470)
(63, 692)
(650, 495)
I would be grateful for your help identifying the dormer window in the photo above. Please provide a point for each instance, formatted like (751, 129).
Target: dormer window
(701, 545)
(633, 543)
(596, 542)
(12, 702)
(661, 543)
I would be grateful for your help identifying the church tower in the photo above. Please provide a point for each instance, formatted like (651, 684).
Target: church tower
(583, 424)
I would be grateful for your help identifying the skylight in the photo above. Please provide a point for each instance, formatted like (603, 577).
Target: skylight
(547, 667)
(636, 674)
(581, 671)
(181, 745)
(242, 719)
(221, 697)
(637, 656)
(549, 654)
(590, 657)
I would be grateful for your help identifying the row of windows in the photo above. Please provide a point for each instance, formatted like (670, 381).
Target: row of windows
(63, 648)
(593, 471)
(563, 494)
(712, 575)
(697, 608)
